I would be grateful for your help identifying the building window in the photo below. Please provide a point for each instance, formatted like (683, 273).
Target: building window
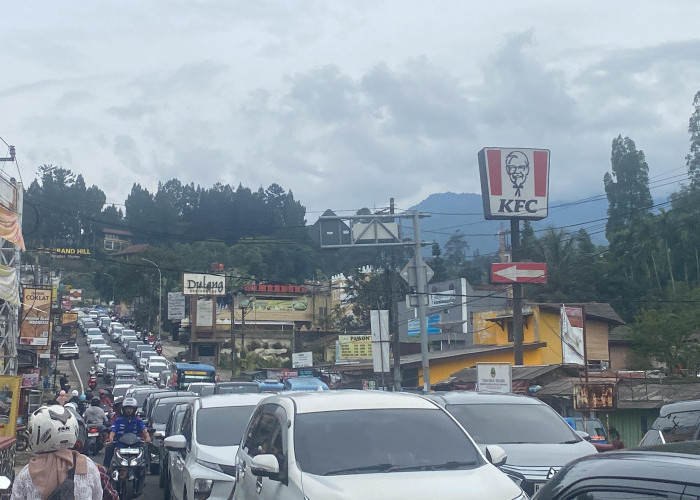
(322, 311)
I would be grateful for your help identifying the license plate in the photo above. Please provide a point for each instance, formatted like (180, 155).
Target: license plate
(93, 434)
(130, 451)
(538, 486)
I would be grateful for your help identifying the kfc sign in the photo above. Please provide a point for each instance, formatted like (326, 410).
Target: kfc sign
(514, 182)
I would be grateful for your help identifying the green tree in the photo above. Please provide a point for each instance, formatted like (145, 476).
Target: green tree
(693, 158)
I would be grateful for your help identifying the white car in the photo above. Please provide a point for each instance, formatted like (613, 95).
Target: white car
(95, 342)
(151, 375)
(205, 462)
(68, 350)
(361, 444)
(101, 363)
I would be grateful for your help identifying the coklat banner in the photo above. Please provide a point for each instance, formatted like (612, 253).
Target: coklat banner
(36, 313)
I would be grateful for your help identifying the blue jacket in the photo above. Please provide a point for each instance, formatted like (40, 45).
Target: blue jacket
(124, 425)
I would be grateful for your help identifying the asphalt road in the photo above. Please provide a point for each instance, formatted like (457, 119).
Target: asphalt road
(81, 367)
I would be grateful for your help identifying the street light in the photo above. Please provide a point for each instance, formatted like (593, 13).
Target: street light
(160, 294)
(107, 274)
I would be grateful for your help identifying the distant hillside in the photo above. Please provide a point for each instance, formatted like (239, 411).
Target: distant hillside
(464, 211)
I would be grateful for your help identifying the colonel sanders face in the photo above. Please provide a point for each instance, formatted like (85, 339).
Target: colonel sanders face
(517, 167)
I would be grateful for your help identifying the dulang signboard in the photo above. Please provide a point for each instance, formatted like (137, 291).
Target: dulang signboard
(203, 284)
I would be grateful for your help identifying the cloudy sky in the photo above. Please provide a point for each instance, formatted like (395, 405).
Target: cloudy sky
(346, 103)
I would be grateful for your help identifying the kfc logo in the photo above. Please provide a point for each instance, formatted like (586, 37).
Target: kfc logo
(514, 183)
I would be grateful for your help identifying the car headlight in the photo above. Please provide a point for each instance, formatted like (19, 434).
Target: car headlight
(210, 465)
(202, 488)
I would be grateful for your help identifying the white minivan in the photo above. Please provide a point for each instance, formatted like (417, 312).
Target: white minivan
(363, 444)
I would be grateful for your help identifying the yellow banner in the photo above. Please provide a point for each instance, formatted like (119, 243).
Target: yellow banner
(355, 346)
(9, 404)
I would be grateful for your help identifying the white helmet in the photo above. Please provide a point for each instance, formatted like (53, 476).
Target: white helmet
(52, 428)
(130, 402)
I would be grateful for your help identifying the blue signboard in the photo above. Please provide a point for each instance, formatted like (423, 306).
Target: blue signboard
(414, 326)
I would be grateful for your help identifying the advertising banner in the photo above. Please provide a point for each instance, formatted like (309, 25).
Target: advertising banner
(514, 183)
(11, 227)
(176, 306)
(205, 312)
(302, 359)
(203, 284)
(494, 377)
(9, 285)
(36, 312)
(594, 397)
(291, 304)
(571, 319)
(355, 346)
(9, 404)
(414, 326)
(379, 324)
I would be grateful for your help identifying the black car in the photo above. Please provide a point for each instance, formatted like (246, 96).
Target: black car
(626, 474)
(156, 421)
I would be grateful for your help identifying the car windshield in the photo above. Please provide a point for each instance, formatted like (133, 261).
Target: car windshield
(222, 426)
(156, 368)
(513, 423)
(381, 440)
(237, 388)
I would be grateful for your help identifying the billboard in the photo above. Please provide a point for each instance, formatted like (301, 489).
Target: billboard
(571, 319)
(494, 377)
(594, 397)
(176, 306)
(355, 346)
(514, 183)
(414, 325)
(203, 284)
(287, 304)
(36, 312)
(302, 359)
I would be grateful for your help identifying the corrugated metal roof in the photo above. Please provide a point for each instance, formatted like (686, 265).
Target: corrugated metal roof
(601, 310)
(468, 375)
(466, 352)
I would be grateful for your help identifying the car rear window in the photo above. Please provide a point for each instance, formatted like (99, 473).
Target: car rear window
(513, 423)
(222, 426)
(393, 440)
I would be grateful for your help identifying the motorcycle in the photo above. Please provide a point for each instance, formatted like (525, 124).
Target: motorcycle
(92, 382)
(22, 436)
(128, 467)
(94, 442)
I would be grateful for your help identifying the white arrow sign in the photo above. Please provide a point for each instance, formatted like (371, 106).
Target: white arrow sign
(516, 272)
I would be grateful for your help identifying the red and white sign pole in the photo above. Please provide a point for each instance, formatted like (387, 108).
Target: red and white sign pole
(515, 185)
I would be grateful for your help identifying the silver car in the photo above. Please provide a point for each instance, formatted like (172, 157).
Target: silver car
(537, 440)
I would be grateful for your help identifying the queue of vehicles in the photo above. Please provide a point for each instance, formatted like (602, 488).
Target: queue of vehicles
(235, 440)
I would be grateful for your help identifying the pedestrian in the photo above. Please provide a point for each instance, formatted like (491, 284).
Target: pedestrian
(62, 398)
(56, 472)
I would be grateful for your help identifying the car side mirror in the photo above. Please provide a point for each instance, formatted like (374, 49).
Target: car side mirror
(496, 455)
(265, 466)
(584, 435)
(175, 443)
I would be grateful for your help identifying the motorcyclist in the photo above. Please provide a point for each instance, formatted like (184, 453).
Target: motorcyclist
(83, 404)
(93, 371)
(105, 402)
(95, 415)
(129, 422)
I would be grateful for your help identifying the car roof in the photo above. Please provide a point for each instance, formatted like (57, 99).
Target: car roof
(222, 400)
(171, 394)
(650, 465)
(481, 398)
(692, 405)
(233, 383)
(320, 401)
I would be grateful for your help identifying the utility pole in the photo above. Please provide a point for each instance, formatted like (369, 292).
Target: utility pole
(394, 315)
(422, 294)
(517, 295)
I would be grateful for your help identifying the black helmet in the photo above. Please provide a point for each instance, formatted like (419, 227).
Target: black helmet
(95, 401)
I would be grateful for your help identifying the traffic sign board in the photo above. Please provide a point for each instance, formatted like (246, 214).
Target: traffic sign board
(409, 272)
(519, 272)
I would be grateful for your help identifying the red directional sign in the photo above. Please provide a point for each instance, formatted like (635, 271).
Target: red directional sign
(519, 272)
